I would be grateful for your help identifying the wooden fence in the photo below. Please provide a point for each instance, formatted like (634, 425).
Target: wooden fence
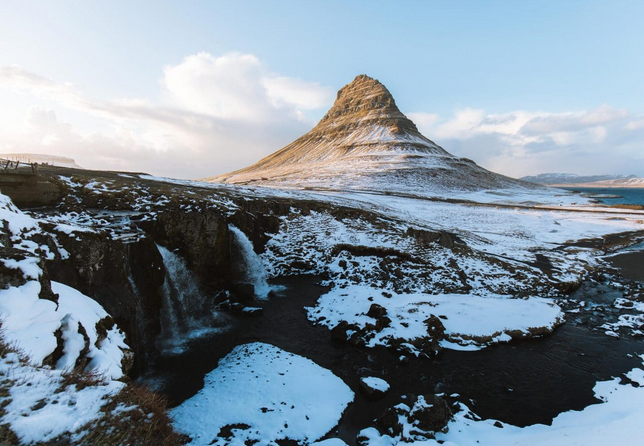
(15, 166)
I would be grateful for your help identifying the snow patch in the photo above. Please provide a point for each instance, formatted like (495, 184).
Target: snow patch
(470, 321)
(263, 393)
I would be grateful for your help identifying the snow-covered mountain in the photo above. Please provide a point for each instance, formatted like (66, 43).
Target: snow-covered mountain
(623, 182)
(365, 143)
(572, 178)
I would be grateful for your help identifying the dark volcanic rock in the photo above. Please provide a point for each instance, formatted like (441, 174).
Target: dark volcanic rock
(376, 311)
(371, 391)
(243, 293)
(202, 238)
(125, 278)
(430, 413)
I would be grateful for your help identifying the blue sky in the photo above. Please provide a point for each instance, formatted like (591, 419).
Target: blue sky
(520, 87)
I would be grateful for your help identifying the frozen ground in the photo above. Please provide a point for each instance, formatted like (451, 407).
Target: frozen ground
(39, 406)
(259, 394)
(617, 420)
(471, 322)
(45, 395)
(365, 244)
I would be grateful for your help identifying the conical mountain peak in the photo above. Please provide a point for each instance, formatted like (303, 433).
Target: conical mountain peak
(365, 142)
(367, 100)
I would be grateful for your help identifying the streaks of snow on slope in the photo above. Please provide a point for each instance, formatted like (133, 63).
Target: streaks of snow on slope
(259, 394)
(470, 322)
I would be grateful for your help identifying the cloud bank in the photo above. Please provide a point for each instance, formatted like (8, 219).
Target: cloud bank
(599, 141)
(213, 115)
(217, 114)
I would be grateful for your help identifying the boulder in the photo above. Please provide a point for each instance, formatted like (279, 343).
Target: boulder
(373, 388)
(376, 311)
(243, 293)
(430, 413)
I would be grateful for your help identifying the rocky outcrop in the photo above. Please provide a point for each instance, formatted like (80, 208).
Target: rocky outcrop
(427, 415)
(125, 278)
(200, 237)
(26, 189)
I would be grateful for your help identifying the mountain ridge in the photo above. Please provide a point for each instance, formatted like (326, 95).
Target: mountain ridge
(571, 178)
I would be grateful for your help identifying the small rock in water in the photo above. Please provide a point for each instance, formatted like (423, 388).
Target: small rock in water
(252, 311)
(373, 388)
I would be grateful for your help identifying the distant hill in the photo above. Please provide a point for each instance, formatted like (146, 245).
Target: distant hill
(559, 179)
(620, 182)
(52, 160)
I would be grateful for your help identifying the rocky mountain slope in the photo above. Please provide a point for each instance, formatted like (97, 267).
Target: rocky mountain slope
(365, 143)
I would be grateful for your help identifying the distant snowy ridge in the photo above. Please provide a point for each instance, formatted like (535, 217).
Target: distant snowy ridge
(52, 160)
(572, 178)
(625, 182)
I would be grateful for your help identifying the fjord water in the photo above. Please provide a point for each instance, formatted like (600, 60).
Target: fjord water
(628, 195)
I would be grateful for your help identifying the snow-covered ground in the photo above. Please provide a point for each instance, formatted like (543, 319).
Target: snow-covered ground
(35, 324)
(617, 421)
(39, 407)
(366, 244)
(32, 324)
(53, 341)
(471, 322)
(259, 394)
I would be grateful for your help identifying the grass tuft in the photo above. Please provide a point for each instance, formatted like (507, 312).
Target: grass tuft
(135, 416)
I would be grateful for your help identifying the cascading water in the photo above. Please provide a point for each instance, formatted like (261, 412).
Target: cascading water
(254, 270)
(185, 314)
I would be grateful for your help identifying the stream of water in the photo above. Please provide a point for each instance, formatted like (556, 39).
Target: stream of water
(252, 264)
(522, 383)
(186, 312)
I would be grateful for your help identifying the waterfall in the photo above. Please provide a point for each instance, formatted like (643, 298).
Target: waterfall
(185, 314)
(254, 270)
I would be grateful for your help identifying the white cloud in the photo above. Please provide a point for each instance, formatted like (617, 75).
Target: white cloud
(294, 92)
(217, 114)
(238, 86)
(17, 78)
(603, 140)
